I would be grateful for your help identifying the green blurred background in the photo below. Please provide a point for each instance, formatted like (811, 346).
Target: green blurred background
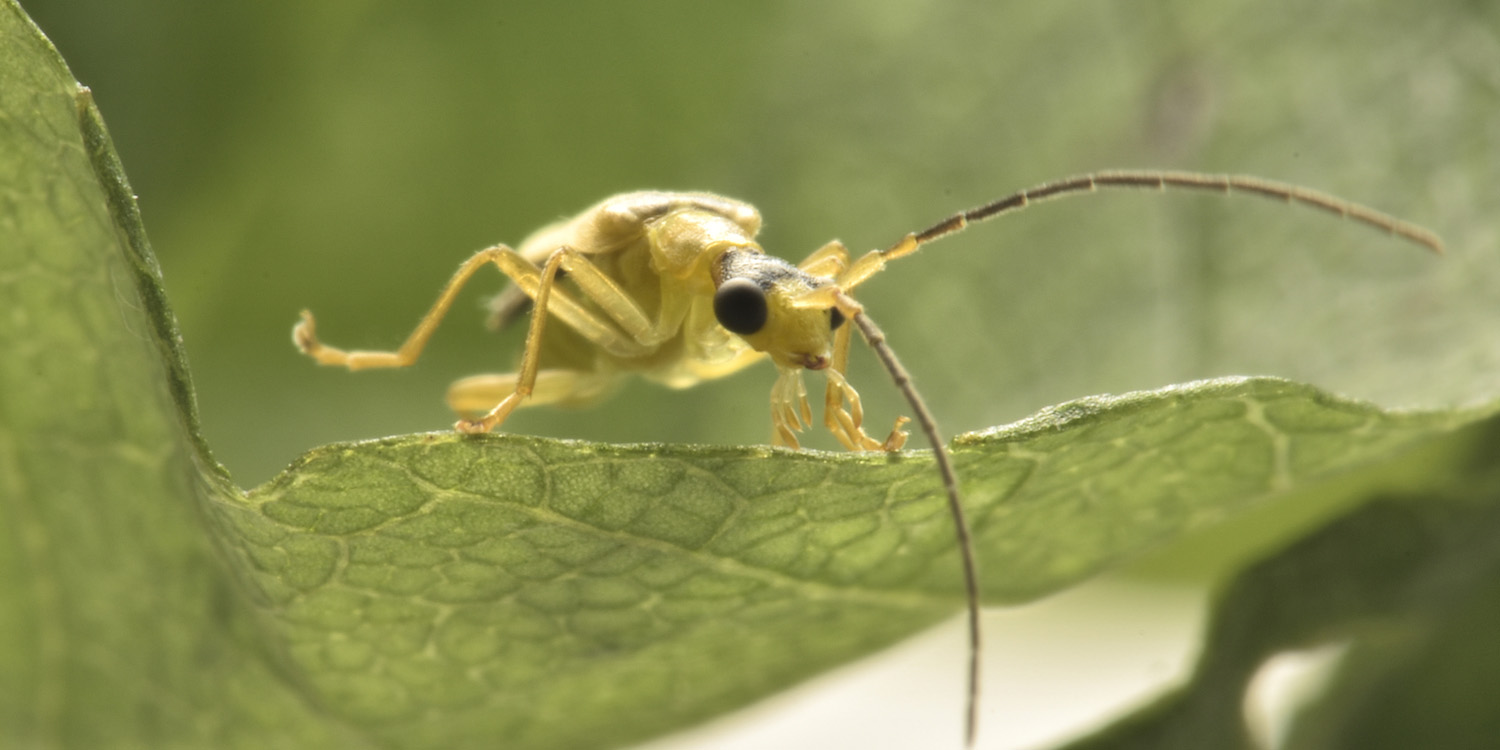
(346, 156)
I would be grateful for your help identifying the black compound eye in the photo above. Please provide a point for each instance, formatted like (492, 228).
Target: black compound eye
(835, 318)
(740, 306)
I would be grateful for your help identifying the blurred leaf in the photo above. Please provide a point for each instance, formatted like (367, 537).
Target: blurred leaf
(1431, 680)
(1407, 583)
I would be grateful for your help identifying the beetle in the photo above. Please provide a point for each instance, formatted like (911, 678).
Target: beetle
(674, 287)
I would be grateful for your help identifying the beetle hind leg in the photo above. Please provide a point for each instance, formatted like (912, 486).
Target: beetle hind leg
(476, 395)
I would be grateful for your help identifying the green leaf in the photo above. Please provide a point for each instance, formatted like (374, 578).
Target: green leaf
(119, 625)
(439, 591)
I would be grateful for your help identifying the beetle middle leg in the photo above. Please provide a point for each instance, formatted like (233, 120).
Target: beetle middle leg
(639, 335)
(526, 378)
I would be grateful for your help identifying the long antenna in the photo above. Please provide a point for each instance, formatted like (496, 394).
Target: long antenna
(876, 339)
(1161, 180)
(1139, 179)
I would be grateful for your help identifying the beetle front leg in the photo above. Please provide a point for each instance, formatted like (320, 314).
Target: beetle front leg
(847, 424)
(789, 409)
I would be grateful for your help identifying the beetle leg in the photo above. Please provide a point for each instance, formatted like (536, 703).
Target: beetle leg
(848, 424)
(306, 337)
(477, 394)
(523, 272)
(827, 261)
(789, 409)
(530, 353)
